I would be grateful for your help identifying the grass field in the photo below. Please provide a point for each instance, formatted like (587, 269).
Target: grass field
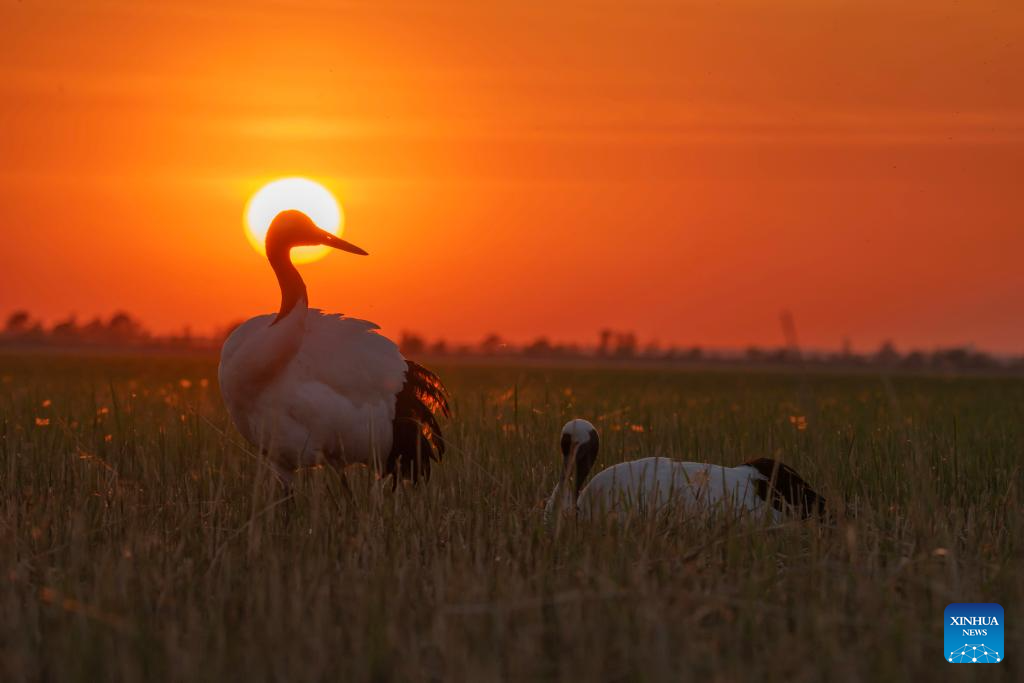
(140, 540)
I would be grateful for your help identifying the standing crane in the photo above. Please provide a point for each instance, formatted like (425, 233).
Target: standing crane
(307, 387)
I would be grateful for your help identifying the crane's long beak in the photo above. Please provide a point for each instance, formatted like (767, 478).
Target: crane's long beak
(338, 243)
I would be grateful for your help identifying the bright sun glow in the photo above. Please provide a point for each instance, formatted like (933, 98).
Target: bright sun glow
(313, 199)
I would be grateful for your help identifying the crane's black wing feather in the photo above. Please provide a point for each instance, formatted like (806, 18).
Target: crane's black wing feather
(417, 438)
(784, 487)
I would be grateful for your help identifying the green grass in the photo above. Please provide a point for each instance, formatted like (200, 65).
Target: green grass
(141, 540)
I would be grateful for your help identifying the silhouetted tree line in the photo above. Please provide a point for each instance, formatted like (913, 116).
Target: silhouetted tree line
(613, 345)
(123, 330)
(119, 330)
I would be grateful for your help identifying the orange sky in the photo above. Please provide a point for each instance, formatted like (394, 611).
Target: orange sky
(685, 170)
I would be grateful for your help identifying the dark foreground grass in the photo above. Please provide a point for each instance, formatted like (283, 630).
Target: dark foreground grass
(140, 540)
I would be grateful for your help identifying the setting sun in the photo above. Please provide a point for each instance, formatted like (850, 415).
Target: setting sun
(309, 197)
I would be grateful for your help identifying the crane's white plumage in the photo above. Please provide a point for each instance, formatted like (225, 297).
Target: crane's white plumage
(652, 483)
(307, 387)
(760, 487)
(334, 394)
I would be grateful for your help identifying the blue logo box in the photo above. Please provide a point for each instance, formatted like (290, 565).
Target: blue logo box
(974, 633)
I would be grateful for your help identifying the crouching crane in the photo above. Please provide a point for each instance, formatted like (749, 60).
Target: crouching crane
(306, 387)
(761, 486)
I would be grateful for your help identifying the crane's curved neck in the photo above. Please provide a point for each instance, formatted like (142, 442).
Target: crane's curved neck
(560, 500)
(293, 289)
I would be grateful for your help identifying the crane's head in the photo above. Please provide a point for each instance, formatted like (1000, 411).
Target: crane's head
(293, 228)
(579, 445)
